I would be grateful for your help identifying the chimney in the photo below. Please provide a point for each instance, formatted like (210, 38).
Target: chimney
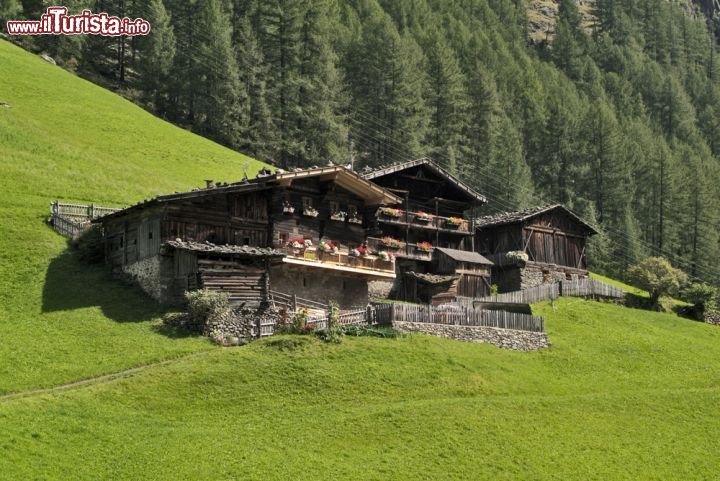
(208, 183)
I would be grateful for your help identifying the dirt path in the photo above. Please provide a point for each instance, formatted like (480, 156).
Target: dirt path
(102, 379)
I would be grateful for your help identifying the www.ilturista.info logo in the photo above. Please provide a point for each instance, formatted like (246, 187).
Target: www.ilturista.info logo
(56, 21)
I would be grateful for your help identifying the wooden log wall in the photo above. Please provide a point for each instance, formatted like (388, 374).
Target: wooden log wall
(244, 283)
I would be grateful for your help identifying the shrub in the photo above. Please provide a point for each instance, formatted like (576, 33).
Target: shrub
(207, 306)
(701, 295)
(658, 277)
(494, 290)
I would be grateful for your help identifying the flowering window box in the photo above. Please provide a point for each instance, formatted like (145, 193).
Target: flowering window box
(338, 216)
(424, 247)
(454, 222)
(390, 243)
(310, 212)
(386, 256)
(391, 212)
(423, 217)
(288, 209)
(355, 220)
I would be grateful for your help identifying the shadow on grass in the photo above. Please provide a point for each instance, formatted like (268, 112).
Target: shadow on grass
(71, 283)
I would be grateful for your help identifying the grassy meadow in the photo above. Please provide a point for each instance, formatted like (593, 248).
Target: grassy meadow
(622, 394)
(65, 138)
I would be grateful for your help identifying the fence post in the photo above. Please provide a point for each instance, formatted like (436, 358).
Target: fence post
(368, 314)
(294, 303)
(259, 328)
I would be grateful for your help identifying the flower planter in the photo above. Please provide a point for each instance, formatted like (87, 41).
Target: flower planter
(355, 220)
(337, 218)
(310, 213)
(288, 210)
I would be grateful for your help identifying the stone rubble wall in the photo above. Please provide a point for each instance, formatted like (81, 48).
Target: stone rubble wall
(146, 274)
(502, 338)
(712, 317)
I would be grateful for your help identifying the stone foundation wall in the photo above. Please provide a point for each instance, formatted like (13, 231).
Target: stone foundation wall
(321, 286)
(146, 274)
(531, 275)
(503, 338)
(712, 317)
(380, 289)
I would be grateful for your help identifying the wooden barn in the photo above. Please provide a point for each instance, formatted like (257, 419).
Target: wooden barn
(301, 232)
(534, 246)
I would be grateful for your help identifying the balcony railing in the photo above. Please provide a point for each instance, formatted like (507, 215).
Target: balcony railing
(415, 220)
(409, 251)
(370, 265)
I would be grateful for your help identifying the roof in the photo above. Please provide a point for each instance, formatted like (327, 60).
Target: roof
(373, 194)
(506, 218)
(383, 171)
(346, 178)
(464, 256)
(226, 249)
(431, 278)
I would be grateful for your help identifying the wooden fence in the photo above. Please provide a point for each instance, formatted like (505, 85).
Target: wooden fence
(80, 211)
(578, 288)
(67, 227)
(457, 315)
(71, 219)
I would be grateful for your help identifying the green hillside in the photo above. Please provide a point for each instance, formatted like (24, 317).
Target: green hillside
(621, 395)
(63, 137)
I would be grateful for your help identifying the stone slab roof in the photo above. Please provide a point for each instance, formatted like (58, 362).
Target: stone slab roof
(431, 278)
(230, 250)
(506, 218)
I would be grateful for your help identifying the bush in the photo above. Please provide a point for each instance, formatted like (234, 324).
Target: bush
(701, 295)
(658, 277)
(207, 306)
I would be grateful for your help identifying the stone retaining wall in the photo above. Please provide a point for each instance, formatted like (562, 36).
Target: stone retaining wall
(712, 317)
(503, 338)
(146, 273)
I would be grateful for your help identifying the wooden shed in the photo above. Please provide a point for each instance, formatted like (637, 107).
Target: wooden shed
(473, 270)
(552, 237)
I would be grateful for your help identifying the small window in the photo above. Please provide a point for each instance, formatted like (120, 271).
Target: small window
(150, 235)
(344, 284)
(334, 206)
(307, 202)
(246, 241)
(122, 242)
(352, 210)
(304, 281)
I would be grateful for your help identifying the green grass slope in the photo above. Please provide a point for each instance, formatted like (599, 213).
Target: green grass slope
(621, 395)
(63, 137)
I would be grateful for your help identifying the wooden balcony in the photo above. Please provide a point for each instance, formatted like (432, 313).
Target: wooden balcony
(410, 251)
(370, 266)
(436, 223)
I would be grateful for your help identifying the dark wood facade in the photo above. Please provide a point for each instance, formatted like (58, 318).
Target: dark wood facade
(551, 235)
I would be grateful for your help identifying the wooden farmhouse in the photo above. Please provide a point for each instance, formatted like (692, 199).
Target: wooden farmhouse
(296, 233)
(329, 233)
(534, 246)
(430, 217)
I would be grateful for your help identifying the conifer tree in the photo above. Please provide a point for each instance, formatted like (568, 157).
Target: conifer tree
(157, 53)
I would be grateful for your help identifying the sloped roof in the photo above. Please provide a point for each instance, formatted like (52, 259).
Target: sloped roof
(346, 178)
(464, 256)
(391, 169)
(506, 218)
(431, 278)
(226, 249)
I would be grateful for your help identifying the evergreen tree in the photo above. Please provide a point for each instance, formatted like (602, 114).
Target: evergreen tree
(217, 109)
(157, 53)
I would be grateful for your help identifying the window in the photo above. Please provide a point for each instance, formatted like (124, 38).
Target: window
(304, 281)
(150, 235)
(307, 202)
(246, 241)
(334, 206)
(352, 210)
(344, 284)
